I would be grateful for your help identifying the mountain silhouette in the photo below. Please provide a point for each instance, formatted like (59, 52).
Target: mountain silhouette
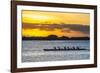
(54, 37)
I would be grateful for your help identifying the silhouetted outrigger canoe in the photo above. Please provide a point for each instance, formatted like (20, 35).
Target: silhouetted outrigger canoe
(65, 49)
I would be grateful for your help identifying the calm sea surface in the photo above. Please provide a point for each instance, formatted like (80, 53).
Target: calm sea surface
(32, 50)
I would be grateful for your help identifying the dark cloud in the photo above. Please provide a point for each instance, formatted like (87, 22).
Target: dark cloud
(63, 27)
(80, 28)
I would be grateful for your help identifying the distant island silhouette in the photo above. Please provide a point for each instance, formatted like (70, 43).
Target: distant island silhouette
(54, 37)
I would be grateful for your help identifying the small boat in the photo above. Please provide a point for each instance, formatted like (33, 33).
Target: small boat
(64, 49)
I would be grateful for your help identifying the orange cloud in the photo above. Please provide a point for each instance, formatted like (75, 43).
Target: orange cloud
(42, 23)
(55, 17)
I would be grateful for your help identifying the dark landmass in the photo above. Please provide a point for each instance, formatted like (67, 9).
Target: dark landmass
(54, 37)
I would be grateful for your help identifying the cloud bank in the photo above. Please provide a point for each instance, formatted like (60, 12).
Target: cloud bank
(63, 27)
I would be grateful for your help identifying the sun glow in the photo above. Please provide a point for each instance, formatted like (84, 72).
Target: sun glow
(54, 17)
(30, 18)
(43, 33)
(34, 17)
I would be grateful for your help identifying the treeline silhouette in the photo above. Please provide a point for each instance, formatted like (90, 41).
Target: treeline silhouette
(54, 37)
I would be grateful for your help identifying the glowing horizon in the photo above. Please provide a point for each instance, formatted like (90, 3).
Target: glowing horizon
(42, 23)
(53, 17)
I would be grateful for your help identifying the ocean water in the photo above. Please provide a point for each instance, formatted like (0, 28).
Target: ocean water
(32, 50)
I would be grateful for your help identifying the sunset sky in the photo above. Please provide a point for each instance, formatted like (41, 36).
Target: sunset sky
(43, 24)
